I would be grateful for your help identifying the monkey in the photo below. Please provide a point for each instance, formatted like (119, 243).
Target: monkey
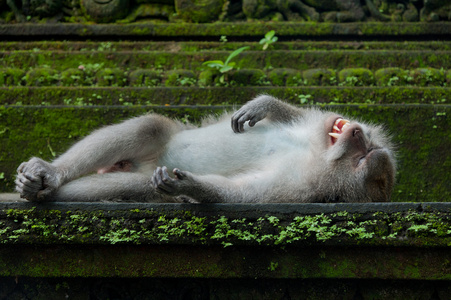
(120, 166)
(275, 152)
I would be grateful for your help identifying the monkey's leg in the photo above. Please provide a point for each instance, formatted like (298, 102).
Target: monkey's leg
(134, 140)
(115, 187)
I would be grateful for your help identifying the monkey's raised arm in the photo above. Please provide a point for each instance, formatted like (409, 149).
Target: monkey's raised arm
(264, 106)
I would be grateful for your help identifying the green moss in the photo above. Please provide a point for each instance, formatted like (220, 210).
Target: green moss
(320, 77)
(285, 77)
(208, 77)
(111, 77)
(252, 59)
(197, 46)
(145, 77)
(180, 78)
(427, 76)
(154, 227)
(175, 241)
(391, 77)
(72, 77)
(41, 77)
(11, 76)
(355, 77)
(245, 77)
(199, 11)
(448, 78)
(91, 75)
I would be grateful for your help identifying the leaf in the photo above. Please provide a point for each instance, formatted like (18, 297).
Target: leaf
(269, 35)
(235, 53)
(274, 39)
(225, 69)
(214, 62)
(262, 41)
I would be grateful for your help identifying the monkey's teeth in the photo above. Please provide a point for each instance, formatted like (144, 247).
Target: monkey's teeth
(339, 127)
(334, 135)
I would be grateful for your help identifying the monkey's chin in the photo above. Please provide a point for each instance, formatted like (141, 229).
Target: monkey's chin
(374, 156)
(339, 126)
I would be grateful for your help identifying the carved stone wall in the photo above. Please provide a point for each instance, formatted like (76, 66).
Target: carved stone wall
(126, 11)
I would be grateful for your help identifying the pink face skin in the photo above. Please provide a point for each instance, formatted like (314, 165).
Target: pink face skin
(120, 166)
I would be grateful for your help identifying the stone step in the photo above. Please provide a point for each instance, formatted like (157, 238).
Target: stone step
(88, 96)
(422, 133)
(364, 30)
(166, 60)
(231, 241)
(229, 45)
(96, 75)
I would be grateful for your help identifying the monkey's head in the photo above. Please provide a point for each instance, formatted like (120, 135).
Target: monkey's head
(360, 161)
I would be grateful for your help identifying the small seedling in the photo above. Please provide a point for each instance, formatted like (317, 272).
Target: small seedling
(226, 66)
(304, 99)
(269, 39)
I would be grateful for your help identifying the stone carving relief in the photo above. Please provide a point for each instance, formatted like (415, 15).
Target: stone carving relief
(203, 11)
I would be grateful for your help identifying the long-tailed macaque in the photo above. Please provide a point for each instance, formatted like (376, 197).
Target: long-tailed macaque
(290, 155)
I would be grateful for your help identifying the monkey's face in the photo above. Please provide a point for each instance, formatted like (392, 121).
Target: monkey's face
(362, 159)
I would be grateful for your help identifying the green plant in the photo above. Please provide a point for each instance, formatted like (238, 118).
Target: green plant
(269, 39)
(350, 81)
(304, 99)
(226, 66)
(186, 81)
(393, 81)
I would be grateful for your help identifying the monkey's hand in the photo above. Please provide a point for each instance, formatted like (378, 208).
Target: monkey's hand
(165, 184)
(37, 179)
(252, 111)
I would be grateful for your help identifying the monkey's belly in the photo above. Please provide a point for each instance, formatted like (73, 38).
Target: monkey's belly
(218, 150)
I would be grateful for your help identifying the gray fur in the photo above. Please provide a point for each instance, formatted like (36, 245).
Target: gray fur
(287, 156)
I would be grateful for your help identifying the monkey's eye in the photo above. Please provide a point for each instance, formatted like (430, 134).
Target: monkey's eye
(361, 161)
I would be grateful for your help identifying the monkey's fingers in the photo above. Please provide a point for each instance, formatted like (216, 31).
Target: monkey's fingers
(21, 168)
(161, 181)
(179, 174)
(253, 121)
(28, 186)
(237, 123)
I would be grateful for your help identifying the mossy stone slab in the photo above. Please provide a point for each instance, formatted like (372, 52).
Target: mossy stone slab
(421, 133)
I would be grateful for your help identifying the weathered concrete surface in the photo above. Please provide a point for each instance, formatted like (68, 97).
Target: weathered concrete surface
(219, 262)
(379, 240)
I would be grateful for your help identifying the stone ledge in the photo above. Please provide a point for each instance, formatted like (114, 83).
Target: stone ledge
(52, 96)
(378, 240)
(238, 29)
(221, 289)
(341, 224)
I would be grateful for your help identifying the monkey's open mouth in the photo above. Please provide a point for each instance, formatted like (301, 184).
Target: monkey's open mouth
(339, 127)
